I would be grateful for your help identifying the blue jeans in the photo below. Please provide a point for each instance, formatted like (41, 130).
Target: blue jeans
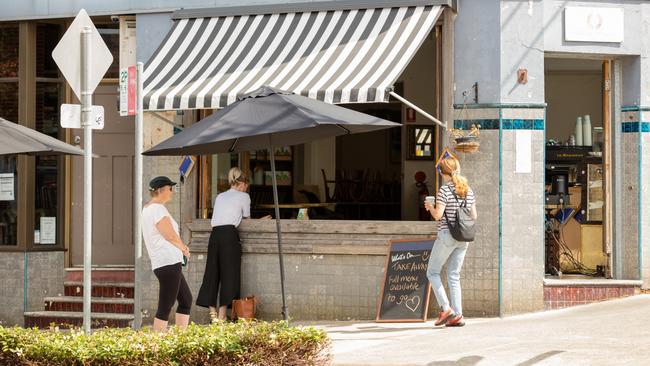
(446, 248)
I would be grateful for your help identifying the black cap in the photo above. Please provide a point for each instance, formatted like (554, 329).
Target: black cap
(159, 182)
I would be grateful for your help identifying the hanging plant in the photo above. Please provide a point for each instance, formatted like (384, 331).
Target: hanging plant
(466, 141)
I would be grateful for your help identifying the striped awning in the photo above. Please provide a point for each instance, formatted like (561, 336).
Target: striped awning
(341, 56)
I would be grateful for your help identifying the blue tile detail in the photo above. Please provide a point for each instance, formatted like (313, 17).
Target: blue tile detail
(506, 124)
(486, 124)
(632, 127)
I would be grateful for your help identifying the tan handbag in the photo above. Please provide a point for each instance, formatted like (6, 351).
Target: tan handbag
(244, 308)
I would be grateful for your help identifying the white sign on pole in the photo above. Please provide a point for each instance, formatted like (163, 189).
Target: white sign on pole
(71, 116)
(67, 54)
(590, 24)
(124, 89)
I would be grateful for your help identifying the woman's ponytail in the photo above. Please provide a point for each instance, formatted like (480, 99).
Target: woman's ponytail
(451, 166)
(460, 182)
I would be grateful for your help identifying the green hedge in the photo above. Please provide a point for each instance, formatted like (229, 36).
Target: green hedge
(241, 343)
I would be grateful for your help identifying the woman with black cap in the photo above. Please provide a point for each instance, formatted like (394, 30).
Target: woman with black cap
(222, 270)
(166, 251)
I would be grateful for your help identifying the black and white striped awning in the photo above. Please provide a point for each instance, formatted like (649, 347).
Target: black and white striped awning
(336, 56)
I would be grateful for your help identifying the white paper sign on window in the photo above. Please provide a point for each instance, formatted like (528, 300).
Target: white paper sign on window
(7, 187)
(588, 24)
(48, 230)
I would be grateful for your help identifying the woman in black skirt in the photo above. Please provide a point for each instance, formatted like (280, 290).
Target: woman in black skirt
(221, 280)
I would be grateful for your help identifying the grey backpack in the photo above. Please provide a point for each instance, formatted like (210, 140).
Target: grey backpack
(463, 228)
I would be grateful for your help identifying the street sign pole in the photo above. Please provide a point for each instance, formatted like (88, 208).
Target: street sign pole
(137, 191)
(83, 58)
(86, 123)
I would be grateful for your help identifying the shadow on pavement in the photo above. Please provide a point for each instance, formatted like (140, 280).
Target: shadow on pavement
(465, 361)
(539, 358)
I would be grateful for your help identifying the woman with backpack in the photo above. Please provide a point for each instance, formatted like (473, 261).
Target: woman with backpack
(455, 208)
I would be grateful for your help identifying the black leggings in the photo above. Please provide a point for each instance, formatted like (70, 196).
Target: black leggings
(172, 287)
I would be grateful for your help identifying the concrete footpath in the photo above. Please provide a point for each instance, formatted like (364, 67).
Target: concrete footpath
(616, 332)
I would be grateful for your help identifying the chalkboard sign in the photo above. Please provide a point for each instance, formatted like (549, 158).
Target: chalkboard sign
(405, 291)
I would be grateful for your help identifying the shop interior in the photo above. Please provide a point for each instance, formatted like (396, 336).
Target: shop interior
(575, 180)
(368, 176)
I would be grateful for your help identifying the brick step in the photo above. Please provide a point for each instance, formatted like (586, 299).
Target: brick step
(101, 274)
(563, 293)
(69, 319)
(97, 305)
(100, 289)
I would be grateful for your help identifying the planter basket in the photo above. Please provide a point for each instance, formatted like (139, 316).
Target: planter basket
(466, 142)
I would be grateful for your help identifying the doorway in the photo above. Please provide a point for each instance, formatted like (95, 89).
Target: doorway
(578, 167)
(112, 241)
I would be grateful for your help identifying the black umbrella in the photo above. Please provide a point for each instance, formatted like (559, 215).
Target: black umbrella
(17, 139)
(265, 119)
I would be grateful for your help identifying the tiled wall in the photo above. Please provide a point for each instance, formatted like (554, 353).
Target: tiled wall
(632, 156)
(480, 277)
(645, 210)
(644, 164)
(519, 231)
(522, 214)
(45, 273)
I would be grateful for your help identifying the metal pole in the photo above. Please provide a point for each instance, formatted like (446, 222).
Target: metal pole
(285, 310)
(418, 109)
(137, 207)
(86, 121)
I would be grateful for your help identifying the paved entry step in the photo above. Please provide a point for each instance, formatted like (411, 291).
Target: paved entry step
(577, 290)
(97, 305)
(100, 289)
(73, 319)
(111, 303)
(102, 274)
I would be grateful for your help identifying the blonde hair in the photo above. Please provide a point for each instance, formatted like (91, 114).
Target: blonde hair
(235, 175)
(451, 166)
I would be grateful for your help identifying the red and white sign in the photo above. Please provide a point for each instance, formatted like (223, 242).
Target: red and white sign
(128, 91)
(132, 91)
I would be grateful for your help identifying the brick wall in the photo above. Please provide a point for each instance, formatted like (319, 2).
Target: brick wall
(331, 273)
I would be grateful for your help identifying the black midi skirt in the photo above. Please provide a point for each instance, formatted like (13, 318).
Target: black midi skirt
(221, 280)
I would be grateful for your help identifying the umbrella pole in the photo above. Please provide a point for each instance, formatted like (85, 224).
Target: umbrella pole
(285, 311)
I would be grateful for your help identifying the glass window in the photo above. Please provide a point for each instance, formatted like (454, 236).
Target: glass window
(8, 111)
(9, 101)
(47, 37)
(47, 220)
(9, 51)
(8, 206)
(111, 35)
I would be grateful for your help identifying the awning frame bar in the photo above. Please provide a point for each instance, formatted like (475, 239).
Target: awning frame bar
(302, 7)
(419, 110)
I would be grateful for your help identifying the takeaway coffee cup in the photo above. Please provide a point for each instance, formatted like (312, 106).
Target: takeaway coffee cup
(430, 199)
